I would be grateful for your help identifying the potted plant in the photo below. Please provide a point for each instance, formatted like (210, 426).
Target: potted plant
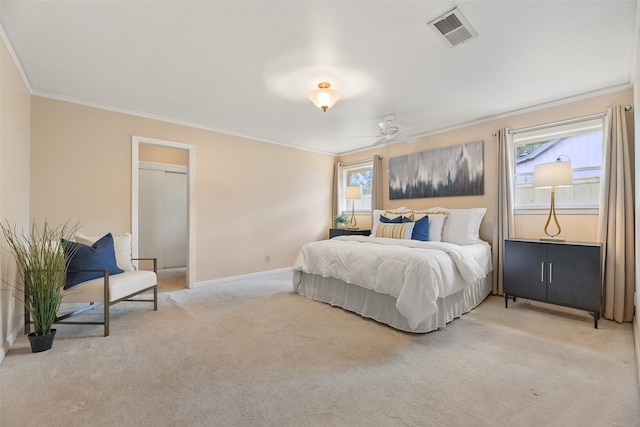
(340, 221)
(42, 266)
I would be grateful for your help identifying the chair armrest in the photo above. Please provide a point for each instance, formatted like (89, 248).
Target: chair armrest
(106, 272)
(105, 278)
(155, 262)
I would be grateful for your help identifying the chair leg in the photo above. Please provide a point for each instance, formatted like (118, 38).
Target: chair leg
(155, 298)
(106, 318)
(27, 321)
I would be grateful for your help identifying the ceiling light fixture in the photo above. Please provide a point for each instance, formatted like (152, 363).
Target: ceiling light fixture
(324, 97)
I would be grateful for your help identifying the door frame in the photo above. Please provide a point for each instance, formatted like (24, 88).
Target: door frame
(135, 158)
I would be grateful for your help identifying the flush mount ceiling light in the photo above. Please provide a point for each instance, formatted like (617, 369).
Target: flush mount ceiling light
(324, 97)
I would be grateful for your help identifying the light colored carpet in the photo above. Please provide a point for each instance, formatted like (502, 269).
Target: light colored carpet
(253, 353)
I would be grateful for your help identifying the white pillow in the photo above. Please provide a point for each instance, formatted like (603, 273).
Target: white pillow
(463, 225)
(395, 231)
(121, 246)
(437, 221)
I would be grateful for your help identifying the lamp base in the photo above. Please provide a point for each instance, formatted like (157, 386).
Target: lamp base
(552, 239)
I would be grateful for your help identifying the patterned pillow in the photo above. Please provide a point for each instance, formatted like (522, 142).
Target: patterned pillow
(388, 214)
(395, 231)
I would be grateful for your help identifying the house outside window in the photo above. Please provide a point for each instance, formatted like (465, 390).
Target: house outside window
(581, 144)
(358, 174)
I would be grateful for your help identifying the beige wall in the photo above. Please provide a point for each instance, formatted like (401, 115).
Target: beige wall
(15, 106)
(158, 154)
(574, 227)
(252, 199)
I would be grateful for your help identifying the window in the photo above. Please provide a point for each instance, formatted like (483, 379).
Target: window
(580, 143)
(360, 174)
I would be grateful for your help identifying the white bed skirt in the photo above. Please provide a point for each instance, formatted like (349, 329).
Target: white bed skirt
(382, 307)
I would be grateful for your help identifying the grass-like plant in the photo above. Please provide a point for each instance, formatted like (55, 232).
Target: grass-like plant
(42, 265)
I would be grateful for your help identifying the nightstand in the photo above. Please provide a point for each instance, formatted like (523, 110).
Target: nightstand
(333, 232)
(561, 273)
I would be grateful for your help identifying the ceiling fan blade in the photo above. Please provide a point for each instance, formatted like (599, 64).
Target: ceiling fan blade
(384, 128)
(365, 136)
(388, 132)
(380, 141)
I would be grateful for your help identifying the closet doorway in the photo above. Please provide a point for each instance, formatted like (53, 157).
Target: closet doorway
(162, 212)
(162, 204)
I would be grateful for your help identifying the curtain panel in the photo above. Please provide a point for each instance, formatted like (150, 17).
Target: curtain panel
(616, 230)
(377, 188)
(338, 186)
(505, 220)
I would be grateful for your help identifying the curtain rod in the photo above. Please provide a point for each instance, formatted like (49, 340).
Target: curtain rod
(560, 122)
(355, 162)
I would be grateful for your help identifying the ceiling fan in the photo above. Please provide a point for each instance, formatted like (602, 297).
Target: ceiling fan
(389, 132)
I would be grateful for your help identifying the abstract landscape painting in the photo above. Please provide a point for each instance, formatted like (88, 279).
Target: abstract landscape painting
(449, 171)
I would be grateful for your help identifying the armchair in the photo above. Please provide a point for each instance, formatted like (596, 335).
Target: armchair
(102, 273)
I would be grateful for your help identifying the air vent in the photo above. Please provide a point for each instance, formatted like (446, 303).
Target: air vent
(453, 27)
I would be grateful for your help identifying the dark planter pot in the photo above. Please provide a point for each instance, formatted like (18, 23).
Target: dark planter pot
(41, 342)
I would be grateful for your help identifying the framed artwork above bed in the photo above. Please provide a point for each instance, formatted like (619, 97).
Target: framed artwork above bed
(451, 171)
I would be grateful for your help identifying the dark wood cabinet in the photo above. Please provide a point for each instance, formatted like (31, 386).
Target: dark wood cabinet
(561, 273)
(333, 232)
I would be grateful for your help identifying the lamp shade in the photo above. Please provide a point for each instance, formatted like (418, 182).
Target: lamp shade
(324, 97)
(554, 174)
(353, 192)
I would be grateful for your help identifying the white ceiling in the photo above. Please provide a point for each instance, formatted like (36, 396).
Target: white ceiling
(246, 67)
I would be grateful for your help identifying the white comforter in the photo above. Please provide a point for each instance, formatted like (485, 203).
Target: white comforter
(416, 273)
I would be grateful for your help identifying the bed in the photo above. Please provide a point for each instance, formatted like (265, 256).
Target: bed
(417, 271)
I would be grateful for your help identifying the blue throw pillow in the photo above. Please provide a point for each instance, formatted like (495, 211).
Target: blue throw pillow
(100, 256)
(420, 228)
(396, 220)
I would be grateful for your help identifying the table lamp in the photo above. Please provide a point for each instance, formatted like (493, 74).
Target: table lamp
(552, 175)
(353, 193)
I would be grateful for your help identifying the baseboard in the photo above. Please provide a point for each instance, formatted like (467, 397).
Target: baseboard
(636, 339)
(6, 345)
(231, 279)
(173, 270)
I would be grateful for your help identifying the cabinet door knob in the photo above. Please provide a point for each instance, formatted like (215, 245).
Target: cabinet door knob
(542, 272)
(550, 272)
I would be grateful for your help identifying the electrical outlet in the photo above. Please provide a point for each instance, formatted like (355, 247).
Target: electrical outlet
(267, 258)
